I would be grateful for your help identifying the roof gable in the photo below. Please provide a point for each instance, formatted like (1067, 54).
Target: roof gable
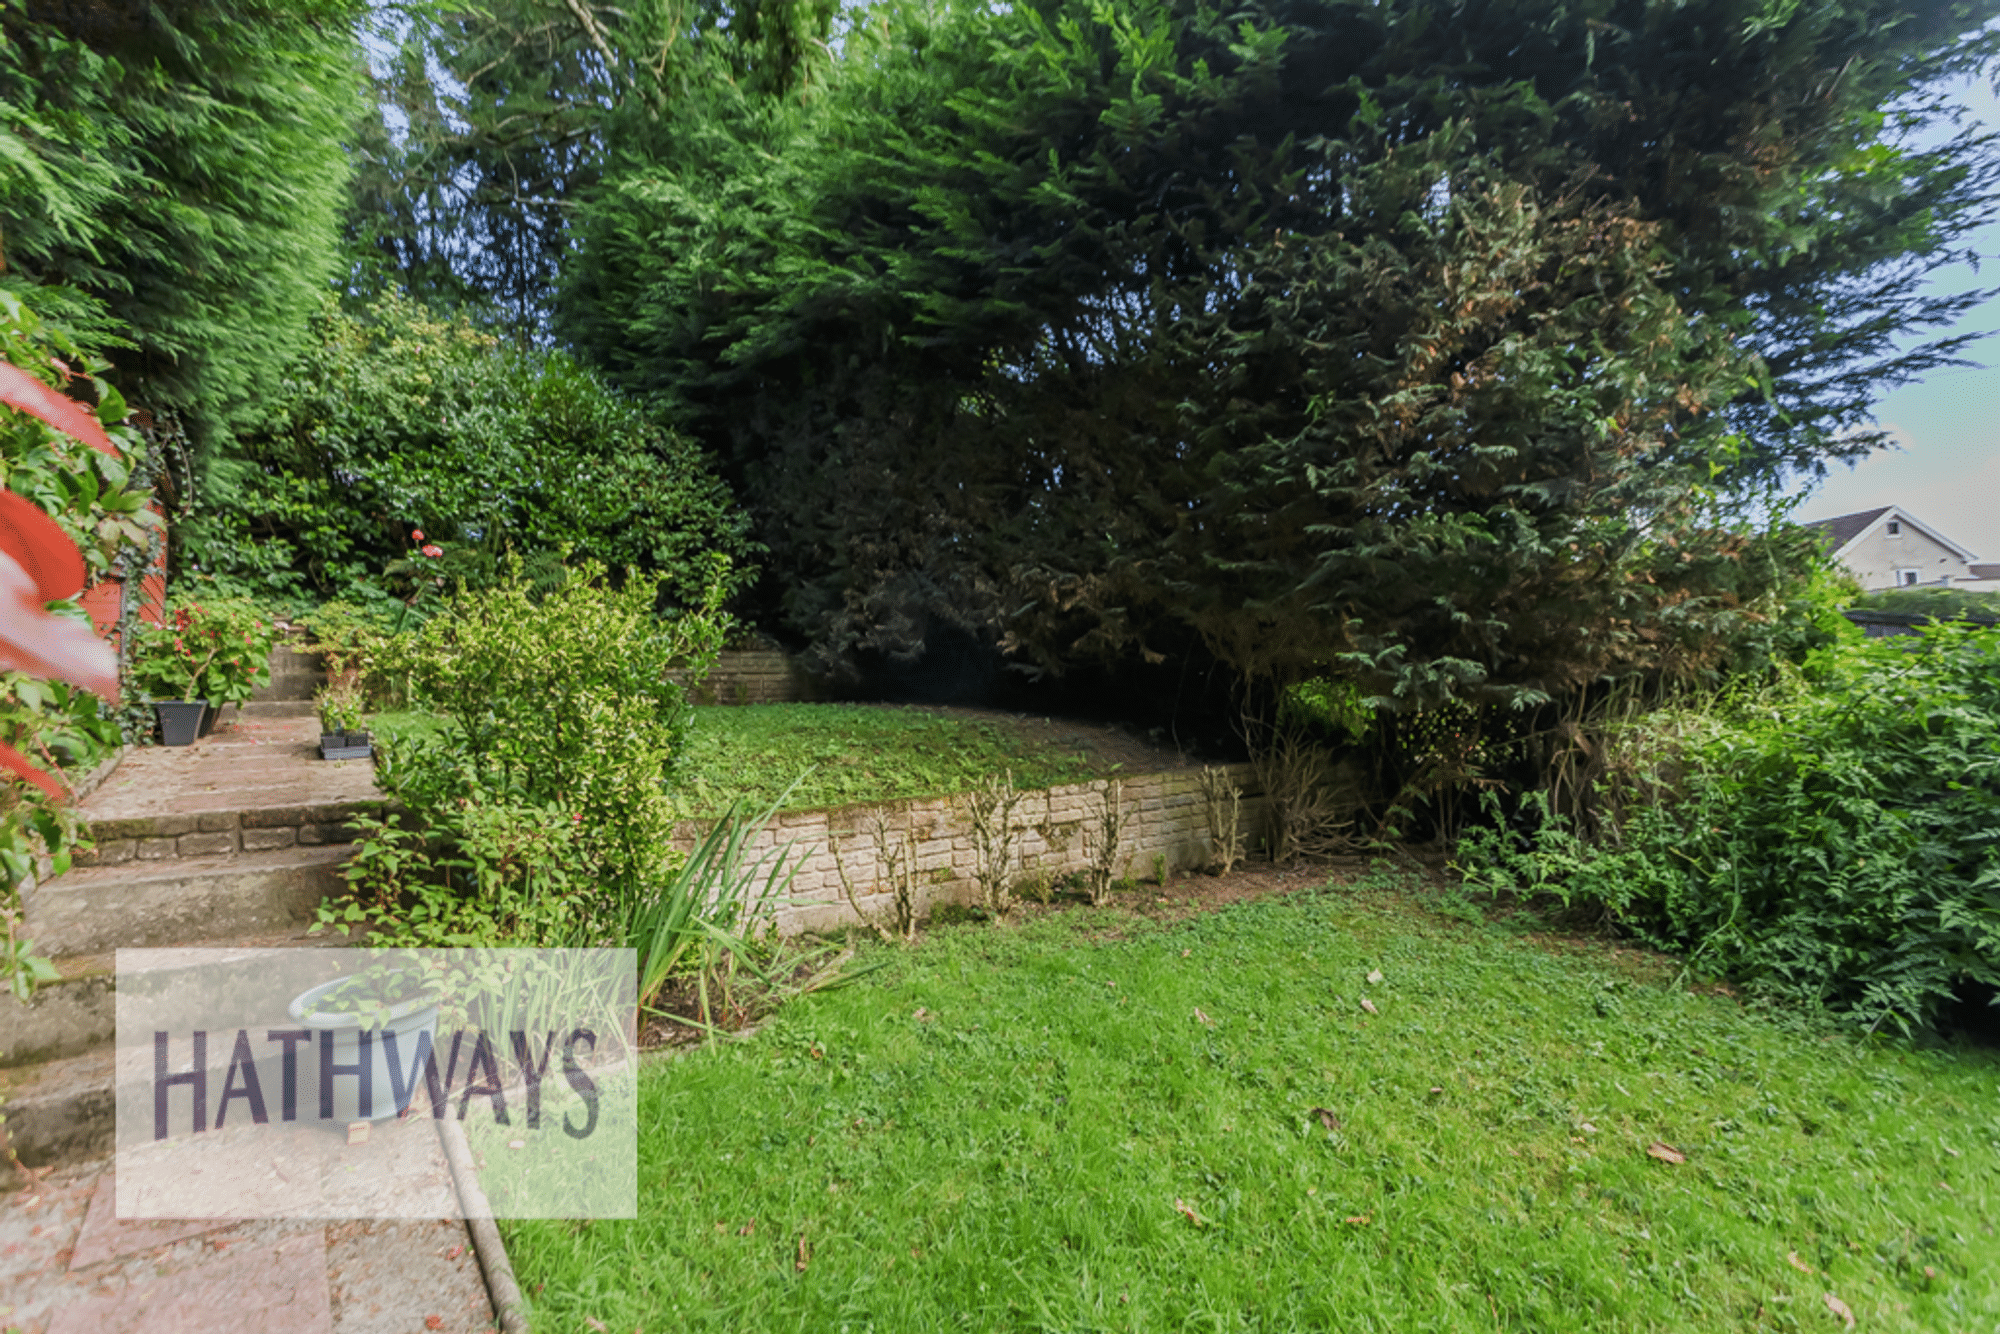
(1843, 531)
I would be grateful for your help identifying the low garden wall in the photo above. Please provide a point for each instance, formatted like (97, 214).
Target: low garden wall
(1056, 832)
(753, 677)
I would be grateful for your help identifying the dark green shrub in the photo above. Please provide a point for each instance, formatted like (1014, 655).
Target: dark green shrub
(398, 422)
(1834, 839)
(1943, 603)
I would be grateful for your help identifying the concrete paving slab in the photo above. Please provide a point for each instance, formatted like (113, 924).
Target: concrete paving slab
(257, 762)
(268, 1289)
(105, 1236)
(360, 1277)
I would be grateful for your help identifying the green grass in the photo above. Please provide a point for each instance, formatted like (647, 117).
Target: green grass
(856, 753)
(1017, 1159)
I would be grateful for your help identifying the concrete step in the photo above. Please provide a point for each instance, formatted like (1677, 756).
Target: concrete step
(63, 1106)
(79, 1012)
(294, 676)
(60, 1111)
(281, 708)
(181, 900)
(223, 831)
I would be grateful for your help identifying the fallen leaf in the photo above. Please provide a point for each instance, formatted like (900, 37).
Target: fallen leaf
(1375, 978)
(517, 1144)
(805, 1256)
(1359, 1220)
(1437, 1088)
(1839, 1308)
(1666, 1153)
(437, 1322)
(1326, 1118)
(1185, 953)
(455, 1251)
(1792, 1259)
(1204, 1018)
(1186, 1210)
(1369, 1006)
(749, 1229)
(921, 1014)
(1587, 1128)
(1929, 1272)
(595, 1323)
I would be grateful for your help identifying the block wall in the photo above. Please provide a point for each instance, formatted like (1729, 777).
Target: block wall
(1055, 828)
(757, 677)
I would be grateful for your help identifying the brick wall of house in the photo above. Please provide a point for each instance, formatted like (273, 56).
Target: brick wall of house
(1165, 814)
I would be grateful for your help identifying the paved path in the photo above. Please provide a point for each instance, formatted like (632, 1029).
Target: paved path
(68, 1264)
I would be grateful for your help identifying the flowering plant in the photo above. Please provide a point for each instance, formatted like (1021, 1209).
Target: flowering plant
(217, 649)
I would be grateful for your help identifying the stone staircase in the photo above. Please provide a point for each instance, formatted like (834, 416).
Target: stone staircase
(233, 841)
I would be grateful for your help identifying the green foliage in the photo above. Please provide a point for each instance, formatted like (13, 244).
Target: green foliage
(396, 422)
(1048, 1094)
(94, 499)
(171, 177)
(559, 715)
(467, 205)
(1943, 604)
(1829, 840)
(1312, 337)
(216, 649)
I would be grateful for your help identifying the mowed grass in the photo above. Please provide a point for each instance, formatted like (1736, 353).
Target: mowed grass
(1093, 1122)
(847, 752)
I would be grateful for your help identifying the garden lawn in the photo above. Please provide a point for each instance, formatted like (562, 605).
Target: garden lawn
(1096, 1122)
(848, 753)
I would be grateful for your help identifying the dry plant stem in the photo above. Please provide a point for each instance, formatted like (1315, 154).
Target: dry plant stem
(990, 809)
(896, 856)
(1306, 814)
(1110, 831)
(1223, 804)
(847, 888)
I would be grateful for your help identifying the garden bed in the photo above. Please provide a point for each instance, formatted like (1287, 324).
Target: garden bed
(1175, 1118)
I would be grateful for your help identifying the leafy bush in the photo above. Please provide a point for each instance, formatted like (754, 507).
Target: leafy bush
(93, 498)
(558, 714)
(1943, 603)
(397, 420)
(217, 649)
(1833, 839)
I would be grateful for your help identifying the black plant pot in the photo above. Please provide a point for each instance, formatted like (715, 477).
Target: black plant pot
(345, 746)
(180, 720)
(208, 718)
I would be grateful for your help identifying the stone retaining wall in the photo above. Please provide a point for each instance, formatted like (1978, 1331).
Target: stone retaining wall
(1057, 830)
(753, 677)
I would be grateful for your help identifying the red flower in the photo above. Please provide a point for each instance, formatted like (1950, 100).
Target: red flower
(416, 534)
(433, 551)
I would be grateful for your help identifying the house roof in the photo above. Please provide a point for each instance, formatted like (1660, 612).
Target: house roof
(1843, 530)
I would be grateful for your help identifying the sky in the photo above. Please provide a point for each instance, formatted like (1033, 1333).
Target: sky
(1946, 475)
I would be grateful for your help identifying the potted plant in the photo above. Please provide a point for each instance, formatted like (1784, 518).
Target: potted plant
(203, 656)
(341, 736)
(240, 638)
(166, 668)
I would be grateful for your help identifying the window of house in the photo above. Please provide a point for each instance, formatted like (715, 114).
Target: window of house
(1896, 530)
(1905, 578)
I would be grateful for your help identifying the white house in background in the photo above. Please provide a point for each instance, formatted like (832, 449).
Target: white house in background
(1887, 548)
